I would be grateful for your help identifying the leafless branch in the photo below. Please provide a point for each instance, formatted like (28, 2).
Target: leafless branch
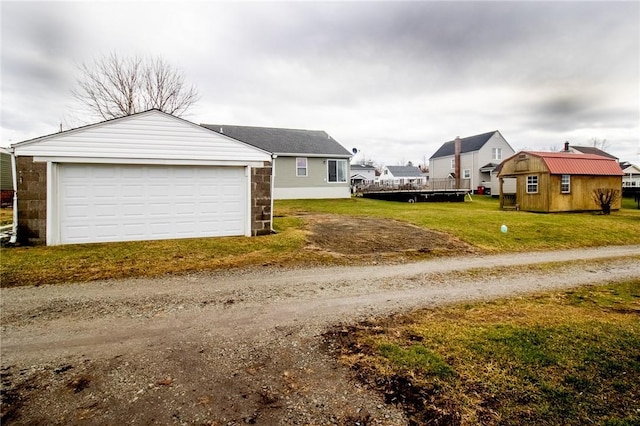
(113, 87)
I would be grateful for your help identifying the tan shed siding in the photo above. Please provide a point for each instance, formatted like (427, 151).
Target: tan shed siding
(580, 197)
(151, 135)
(32, 201)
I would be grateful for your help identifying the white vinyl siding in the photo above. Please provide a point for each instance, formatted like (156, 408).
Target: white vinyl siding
(148, 136)
(106, 203)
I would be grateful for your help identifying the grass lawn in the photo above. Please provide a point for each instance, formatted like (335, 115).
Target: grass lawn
(569, 358)
(477, 223)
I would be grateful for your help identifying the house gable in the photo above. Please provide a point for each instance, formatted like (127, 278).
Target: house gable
(468, 144)
(145, 137)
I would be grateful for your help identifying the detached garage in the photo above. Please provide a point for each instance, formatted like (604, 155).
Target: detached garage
(146, 176)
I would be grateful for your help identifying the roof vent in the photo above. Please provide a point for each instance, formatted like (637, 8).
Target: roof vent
(221, 130)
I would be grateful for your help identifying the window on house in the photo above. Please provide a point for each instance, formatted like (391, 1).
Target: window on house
(301, 167)
(532, 184)
(496, 153)
(565, 184)
(337, 171)
(453, 163)
(466, 174)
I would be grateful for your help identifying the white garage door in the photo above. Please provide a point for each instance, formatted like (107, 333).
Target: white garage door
(102, 203)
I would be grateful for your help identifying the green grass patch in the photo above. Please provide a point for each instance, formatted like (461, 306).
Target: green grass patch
(86, 262)
(6, 216)
(476, 223)
(570, 358)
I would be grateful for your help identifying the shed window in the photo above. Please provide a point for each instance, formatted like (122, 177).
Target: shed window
(337, 170)
(532, 184)
(301, 167)
(565, 184)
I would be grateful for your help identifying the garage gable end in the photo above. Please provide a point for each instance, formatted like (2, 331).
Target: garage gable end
(151, 135)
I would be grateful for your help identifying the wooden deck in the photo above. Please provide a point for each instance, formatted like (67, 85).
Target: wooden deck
(415, 195)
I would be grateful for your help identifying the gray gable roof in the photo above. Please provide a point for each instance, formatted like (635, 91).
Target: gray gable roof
(284, 141)
(405, 171)
(592, 150)
(469, 144)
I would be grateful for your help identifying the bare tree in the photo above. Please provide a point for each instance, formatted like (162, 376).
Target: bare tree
(115, 86)
(601, 144)
(605, 197)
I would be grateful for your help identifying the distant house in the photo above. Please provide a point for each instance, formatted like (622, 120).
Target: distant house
(363, 174)
(557, 181)
(401, 175)
(307, 163)
(587, 150)
(631, 178)
(479, 155)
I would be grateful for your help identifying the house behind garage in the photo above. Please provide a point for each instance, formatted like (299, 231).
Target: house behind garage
(145, 176)
(306, 163)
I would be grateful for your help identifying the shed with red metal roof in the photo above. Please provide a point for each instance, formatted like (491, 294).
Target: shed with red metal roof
(558, 181)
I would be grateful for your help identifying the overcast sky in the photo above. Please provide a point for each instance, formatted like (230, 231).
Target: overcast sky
(393, 79)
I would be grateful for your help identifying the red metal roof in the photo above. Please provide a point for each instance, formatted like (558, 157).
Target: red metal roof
(568, 163)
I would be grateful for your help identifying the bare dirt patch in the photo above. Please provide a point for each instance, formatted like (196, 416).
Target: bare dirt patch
(366, 236)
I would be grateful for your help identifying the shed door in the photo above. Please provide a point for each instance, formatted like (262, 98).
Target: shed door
(104, 203)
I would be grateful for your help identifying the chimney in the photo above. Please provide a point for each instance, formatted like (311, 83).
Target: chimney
(566, 146)
(457, 146)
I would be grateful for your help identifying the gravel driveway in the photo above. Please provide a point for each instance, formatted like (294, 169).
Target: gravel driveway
(239, 348)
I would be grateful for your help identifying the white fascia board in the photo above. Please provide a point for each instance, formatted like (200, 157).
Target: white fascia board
(149, 161)
(301, 154)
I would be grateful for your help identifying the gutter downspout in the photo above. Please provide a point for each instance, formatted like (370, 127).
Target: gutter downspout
(14, 181)
(273, 184)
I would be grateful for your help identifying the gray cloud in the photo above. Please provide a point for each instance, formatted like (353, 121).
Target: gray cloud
(373, 74)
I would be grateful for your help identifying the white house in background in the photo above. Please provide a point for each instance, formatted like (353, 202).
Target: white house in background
(479, 156)
(401, 175)
(363, 174)
(631, 178)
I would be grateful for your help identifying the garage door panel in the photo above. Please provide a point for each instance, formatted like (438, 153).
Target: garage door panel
(134, 202)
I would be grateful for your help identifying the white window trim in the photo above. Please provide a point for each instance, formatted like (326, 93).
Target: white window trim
(536, 184)
(346, 170)
(453, 164)
(306, 167)
(466, 174)
(568, 190)
(496, 153)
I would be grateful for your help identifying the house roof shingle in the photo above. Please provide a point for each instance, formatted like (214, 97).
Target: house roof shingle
(565, 163)
(356, 167)
(593, 150)
(404, 171)
(284, 141)
(469, 144)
